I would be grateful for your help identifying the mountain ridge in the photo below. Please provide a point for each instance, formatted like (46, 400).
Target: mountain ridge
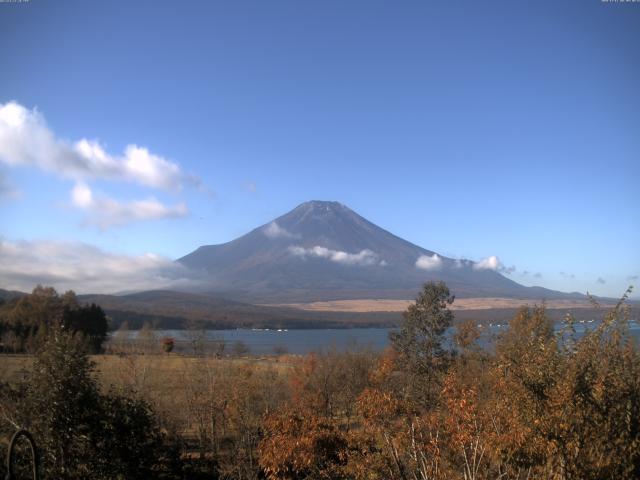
(323, 250)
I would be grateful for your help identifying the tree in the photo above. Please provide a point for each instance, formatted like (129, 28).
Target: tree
(569, 407)
(218, 345)
(81, 432)
(419, 342)
(120, 340)
(167, 344)
(91, 321)
(60, 405)
(26, 321)
(146, 339)
(130, 442)
(196, 335)
(302, 444)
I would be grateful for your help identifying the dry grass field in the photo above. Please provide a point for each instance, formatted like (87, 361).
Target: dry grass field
(203, 404)
(383, 305)
(147, 371)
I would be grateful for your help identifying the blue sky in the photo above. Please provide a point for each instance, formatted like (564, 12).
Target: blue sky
(470, 128)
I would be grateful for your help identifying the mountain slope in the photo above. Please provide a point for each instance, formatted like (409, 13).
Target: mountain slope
(323, 250)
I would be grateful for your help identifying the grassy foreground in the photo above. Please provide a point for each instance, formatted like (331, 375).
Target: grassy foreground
(150, 371)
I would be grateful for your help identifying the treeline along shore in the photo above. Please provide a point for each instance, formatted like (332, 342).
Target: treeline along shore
(169, 310)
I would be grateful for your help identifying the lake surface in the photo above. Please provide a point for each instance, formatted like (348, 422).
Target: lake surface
(268, 342)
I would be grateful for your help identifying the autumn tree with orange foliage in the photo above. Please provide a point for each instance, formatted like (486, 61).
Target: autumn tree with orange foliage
(397, 439)
(543, 403)
(547, 404)
(299, 444)
(308, 438)
(572, 405)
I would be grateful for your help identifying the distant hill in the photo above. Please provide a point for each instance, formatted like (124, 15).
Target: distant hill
(168, 309)
(325, 251)
(6, 295)
(176, 310)
(165, 309)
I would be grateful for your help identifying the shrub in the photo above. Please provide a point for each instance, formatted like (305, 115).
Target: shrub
(167, 344)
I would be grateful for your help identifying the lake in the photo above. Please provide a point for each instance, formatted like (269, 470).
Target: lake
(267, 342)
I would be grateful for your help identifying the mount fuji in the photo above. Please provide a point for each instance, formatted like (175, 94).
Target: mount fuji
(325, 251)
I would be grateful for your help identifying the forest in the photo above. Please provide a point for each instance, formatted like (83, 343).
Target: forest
(26, 321)
(538, 403)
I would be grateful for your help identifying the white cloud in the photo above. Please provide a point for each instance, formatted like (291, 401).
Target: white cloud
(489, 263)
(106, 212)
(273, 230)
(82, 196)
(25, 139)
(426, 262)
(364, 257)
(85, 268)
(494, 263)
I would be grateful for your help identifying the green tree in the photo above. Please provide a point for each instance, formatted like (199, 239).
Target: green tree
(129, 439)
(419, 342)
(81, 432)
(60, 407)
